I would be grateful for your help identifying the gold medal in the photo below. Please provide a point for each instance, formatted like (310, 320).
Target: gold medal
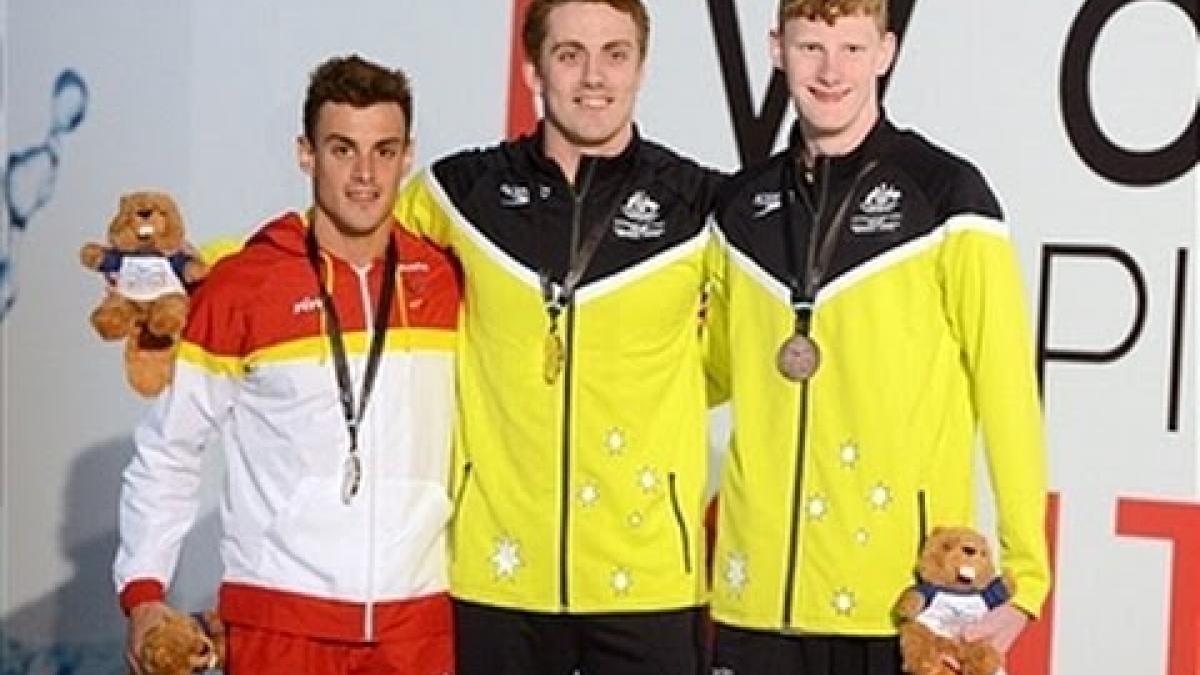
(351, 478)
(553, 353)
(798, 358)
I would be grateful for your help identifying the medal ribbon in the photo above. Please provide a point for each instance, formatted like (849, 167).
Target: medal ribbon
(556, 297)
(820, 247)
(353, 469)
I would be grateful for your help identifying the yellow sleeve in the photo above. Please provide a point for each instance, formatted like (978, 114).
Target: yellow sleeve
(716, 319)
(986, 303)
(420, 209)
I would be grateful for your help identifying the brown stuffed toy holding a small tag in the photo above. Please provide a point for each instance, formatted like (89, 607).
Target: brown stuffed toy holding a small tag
(957, 583)
(148, 269)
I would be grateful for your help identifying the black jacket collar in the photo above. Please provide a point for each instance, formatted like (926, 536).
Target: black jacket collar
(530, 151)
(840, 166)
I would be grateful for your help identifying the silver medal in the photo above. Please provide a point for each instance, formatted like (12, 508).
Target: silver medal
(351, 478)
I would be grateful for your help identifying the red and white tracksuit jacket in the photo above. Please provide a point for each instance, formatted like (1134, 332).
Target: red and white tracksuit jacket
(255, 366)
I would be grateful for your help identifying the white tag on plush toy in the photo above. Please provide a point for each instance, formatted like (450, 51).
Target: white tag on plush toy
(948, 613)
(147, 277)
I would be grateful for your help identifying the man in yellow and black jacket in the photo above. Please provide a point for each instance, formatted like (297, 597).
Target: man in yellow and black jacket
(581, 447)
(871, 321)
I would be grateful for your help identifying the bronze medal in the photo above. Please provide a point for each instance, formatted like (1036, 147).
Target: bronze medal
(798, 358)
(553, 354)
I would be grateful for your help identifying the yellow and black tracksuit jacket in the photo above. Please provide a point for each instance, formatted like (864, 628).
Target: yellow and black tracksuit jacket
(831, 483)
(584, 495)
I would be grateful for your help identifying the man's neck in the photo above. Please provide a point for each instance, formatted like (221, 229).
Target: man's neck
(567, 154)
(836, 145)
(358, 250)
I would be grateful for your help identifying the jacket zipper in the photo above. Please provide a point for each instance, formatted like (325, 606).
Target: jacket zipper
(578, 196)
(818, 228)
(683, 533)
(797, 502)
(369, 601)
(816, 212)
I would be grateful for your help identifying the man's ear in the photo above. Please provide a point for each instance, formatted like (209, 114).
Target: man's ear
(775, 45)
(533, 79)
(887, 54)
(305, 154)
(406, 158)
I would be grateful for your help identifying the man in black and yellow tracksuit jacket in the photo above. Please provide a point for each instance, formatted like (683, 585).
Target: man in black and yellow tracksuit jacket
(835, 476)
(579, 491)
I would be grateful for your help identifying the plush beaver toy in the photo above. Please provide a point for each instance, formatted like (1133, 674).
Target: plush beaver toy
(956, 585)
(182, 645)
(148, 271)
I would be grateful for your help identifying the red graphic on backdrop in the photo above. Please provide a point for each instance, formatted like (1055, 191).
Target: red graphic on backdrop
(521, 115)
(1031, 653)
(1178, 523)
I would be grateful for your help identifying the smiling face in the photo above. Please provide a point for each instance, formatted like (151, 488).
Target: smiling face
(832, 72)
(587, 72)
(356, 159)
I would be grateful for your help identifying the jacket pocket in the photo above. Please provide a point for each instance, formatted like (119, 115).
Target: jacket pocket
(685, 541)
(409, 530)
(922, 519)
(295, 549)
(459, 496)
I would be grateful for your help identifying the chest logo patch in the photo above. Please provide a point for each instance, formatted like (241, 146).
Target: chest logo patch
(640, 218)
(879, 212)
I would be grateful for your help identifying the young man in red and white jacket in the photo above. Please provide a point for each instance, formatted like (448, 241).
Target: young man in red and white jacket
(322, 354)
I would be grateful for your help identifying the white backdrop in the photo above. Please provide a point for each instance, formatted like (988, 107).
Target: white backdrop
(202, 100)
